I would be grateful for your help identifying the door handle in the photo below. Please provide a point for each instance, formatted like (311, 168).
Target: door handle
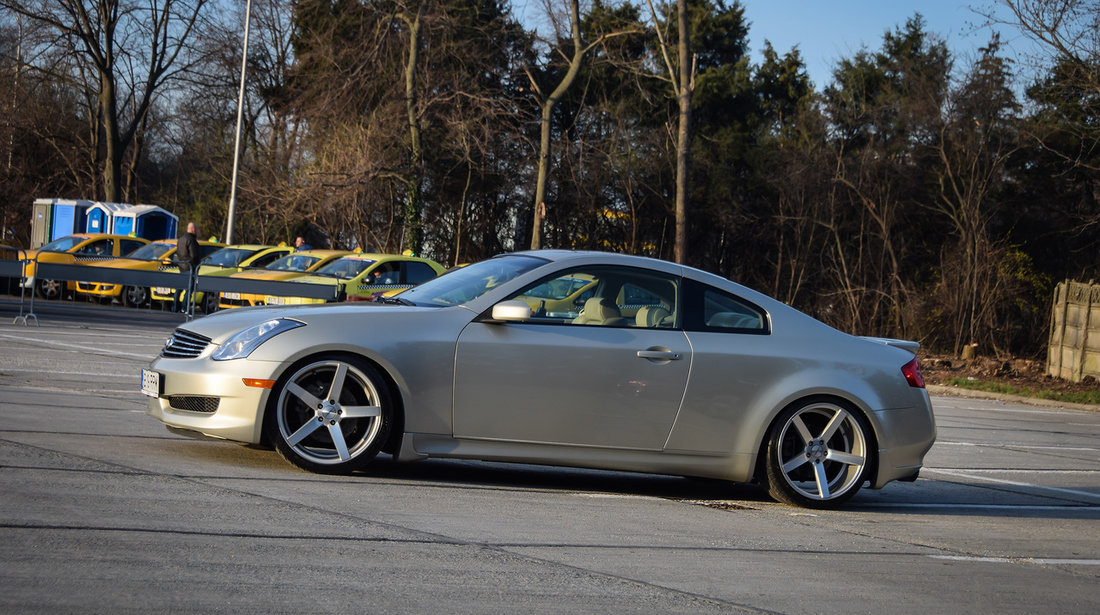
(660, 355)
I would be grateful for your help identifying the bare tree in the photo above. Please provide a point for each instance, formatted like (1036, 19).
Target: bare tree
(121, 53)
(547, 103)
(1070, 31)
(681, 77)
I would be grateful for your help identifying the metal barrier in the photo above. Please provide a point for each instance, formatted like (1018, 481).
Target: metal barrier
(12, 264)
(72, 272)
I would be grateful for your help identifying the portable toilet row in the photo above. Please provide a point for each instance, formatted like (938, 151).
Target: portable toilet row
(54, 218)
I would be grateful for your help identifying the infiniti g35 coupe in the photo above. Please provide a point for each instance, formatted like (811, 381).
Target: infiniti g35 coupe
(561, 358)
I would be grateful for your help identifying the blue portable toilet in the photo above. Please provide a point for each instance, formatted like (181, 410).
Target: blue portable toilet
(66, 216)
(147, 221)
(101, 216)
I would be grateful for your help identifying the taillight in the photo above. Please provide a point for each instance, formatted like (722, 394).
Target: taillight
(911, 371)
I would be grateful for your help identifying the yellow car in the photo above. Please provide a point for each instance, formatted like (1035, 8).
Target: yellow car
(226, 262)
(561, 297)
(84, 248)
(286, 268)
(152, 257)
(361, 276)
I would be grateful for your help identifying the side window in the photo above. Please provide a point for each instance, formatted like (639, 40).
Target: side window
(417, 272)
(128, 246)
(605, 296)
(721, 311)
(384, 274)
(267, 259)
(102, 247)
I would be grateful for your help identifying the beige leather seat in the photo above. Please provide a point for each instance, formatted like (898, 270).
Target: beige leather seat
(652, 316)
(600, 311)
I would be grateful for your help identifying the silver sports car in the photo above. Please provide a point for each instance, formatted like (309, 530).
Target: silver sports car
(561, 358)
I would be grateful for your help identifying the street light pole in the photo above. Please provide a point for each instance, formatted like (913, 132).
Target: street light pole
(237, 140)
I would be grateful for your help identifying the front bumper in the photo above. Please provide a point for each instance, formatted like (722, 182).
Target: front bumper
(99, 290)
(210, 397)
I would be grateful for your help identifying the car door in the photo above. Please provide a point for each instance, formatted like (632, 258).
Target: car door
(604, 373)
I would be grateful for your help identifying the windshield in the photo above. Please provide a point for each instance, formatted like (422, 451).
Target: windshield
(152, 251)
(346, 268)
(468, 283)
(294, 262)
(63, 245)
(228, 257)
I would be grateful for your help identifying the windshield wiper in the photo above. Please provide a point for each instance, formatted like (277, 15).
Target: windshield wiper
(395, 300)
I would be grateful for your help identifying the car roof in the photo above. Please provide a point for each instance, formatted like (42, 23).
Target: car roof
(324, 253)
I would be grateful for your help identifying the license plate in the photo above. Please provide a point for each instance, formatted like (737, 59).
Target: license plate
(163, 290)
(150, 383)
(232, 295)
(275, 300)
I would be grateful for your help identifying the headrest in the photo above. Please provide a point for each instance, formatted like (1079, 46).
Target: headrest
(651, 316)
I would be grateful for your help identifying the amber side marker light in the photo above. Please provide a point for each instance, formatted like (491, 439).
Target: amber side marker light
(258, 383)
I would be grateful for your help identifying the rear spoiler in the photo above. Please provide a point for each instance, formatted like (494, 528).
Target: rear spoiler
(911, 346)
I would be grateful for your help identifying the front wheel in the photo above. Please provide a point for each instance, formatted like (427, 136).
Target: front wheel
(135, 296)
(210, 303)
(330, 415)
(50, 289)
(817, 454)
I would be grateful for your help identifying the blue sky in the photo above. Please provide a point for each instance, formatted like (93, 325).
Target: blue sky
(826, 31)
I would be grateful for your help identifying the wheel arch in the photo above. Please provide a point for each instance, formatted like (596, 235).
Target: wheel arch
(833, 397)
(397, 428)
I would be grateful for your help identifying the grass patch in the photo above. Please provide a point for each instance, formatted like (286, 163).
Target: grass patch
(1075, 397)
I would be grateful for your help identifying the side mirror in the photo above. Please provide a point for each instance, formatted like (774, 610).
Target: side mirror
(512, 311)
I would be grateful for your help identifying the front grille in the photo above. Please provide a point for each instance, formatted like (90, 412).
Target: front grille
(194, 403)
(184, 345)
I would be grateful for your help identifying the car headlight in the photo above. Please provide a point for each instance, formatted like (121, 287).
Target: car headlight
(244, 342)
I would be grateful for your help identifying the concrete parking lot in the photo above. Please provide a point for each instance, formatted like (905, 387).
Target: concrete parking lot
(102, 510)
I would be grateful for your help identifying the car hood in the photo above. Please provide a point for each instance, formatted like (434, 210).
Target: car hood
(219, 326)
(267, 274)
(317, 279)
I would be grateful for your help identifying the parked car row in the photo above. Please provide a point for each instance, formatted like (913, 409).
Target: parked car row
(355, 276)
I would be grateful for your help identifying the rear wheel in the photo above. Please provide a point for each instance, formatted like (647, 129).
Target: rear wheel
(330, 415)
(817, 455)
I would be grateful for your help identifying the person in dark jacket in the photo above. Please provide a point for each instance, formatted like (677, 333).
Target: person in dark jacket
(188, 257)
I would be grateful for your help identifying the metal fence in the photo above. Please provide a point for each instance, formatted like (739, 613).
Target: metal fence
(1074, 349)
(14, 266)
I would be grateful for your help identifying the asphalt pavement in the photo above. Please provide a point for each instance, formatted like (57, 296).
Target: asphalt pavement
(102, 510)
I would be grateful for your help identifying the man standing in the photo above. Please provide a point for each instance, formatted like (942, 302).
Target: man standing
(187, 255)
(301, 244)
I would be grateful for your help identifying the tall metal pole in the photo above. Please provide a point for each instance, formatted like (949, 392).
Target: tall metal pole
(237, 140)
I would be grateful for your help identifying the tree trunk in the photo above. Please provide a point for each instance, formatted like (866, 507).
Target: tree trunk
(412, 236)
(547, 112)
(108, 117)
(683, 136)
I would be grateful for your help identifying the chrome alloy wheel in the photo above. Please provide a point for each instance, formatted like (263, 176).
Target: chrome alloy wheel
(817, 454)
(331, 415)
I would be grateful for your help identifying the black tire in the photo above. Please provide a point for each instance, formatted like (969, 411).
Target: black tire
(50, 289)
(135, 296)
(818, 454)
(209, 302)
(325, 396)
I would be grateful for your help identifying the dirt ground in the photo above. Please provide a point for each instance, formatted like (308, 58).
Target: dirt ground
(938, 369)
